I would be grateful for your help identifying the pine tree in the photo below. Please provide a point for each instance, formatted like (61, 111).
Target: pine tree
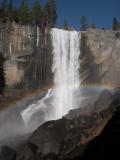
(15, 14)
(46, 17)
(50, 14)
(1, 13)
(53, 13)
(84, 24)
(10, 10)
(2, 74)
(4, 10)
(65, 25)
(119, 26)
(37, 13)
(24, 13)
(93, 26)
(115, 23)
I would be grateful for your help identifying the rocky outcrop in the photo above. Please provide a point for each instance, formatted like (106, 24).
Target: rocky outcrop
(28, 53)
(73, 130)
(107, 144)
(7, 153)
(27, 50)
(67, 138)
(100, 57)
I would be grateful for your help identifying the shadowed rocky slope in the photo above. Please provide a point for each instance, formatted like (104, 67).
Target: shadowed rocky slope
(100, 57)
(27, 50)
(107, 144)
(68, 138)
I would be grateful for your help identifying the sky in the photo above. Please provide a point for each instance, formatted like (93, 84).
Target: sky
(100, 12)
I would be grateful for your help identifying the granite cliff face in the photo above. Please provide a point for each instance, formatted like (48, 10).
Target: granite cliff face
(27, 50)
(100, 57)
(28, 53)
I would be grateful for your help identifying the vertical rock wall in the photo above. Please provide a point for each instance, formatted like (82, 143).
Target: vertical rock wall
(28, 53)
(27, 50)
(100, 57)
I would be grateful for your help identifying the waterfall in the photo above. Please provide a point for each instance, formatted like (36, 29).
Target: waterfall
(62, 98)
(10, 49)
(38, 112)
(38, 37)
(33, 108)
(66, 52)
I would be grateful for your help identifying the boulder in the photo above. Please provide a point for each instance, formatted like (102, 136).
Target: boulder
(7, 153)
(107, 144)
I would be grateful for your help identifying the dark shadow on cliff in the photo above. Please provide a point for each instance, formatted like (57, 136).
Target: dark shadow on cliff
(107, 144)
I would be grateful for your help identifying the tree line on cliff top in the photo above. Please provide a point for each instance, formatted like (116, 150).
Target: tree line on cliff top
(36, 15)
(85, 25)
(27, 15)
(45, 16)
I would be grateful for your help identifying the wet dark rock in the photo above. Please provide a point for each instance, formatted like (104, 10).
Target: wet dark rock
(68, 137)
(116, 92)
(27, 151)
(93, 105)
(104, 101)
(50, 156)
(107, 144)
(7, 153)
(118, 34)
(49, 136)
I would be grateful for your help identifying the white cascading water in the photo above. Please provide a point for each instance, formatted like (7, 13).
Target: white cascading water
(38, 37)
(62, 98)
(66, 52)
(36, 107)
(10, 49)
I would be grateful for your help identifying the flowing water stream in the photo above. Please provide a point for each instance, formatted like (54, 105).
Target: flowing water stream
(66, 52)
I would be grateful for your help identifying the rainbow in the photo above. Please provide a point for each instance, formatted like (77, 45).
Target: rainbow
(107, 86)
